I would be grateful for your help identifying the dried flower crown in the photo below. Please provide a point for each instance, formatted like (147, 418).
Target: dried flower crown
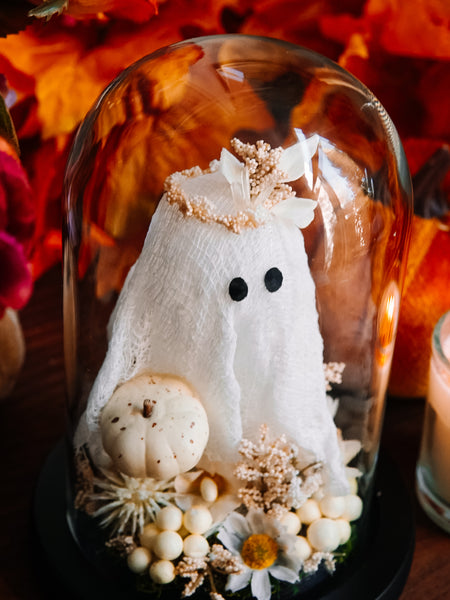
(256, 189)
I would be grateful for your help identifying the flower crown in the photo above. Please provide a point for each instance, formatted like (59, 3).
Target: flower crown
(256, 187)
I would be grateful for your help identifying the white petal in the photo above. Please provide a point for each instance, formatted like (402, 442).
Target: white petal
(185, 501)
(222, 507)
(183, 483)
(261, 588)
(298, 210)
(295, 158)
(283, 573)
(239, 581)
(238, 524)
(230, 540)
(258, 521)
(352, 472)
(236, 174)
(309, 145)
(351, 449)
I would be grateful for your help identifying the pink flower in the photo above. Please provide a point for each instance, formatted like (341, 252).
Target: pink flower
(16, 230)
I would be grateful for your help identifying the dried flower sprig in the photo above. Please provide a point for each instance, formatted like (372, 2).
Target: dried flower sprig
(223, 561)
(196, 570)
(268, 471)
(265, 176)
(273, 482)
(122, 545)
(257, 185)
(333, 373)
(308, 482)
(313, 562)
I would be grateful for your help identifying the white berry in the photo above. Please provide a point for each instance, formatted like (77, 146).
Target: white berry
(195, 546)
(353, 507)
(168, 545)
(324, 535)
(162, 571)
(197, 519)
(208, 489)
(291, 522)
(139, 559)
(302, 548)
(148, 535)
(169, 518)
(308, 512)
(345, 530)
(353, 483)
(332, 506)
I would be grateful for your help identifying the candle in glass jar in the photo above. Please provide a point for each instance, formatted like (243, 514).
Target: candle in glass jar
(433, 473)
(439, 406)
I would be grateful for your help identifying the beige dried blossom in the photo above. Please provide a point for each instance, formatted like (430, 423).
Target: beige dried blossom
(312, 564)
(262, 163)
(309, 481)
(257, 185)
(194, 569)
(216, 596)
(273, 482)
(223, 561)
(333, 373)
(122, 545)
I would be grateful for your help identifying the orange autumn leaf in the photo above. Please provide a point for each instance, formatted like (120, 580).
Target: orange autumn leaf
(143, 133)
(134, 10)
(57, 71)
(297, 22)
(326, 108)
(391, 78)
(391, 48)
(412, 28)
(66, 64)
(54, 91)
(417, 28)
(426, 296)
(60, 108)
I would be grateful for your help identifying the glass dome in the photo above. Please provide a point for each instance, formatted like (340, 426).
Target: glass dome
(237, 218)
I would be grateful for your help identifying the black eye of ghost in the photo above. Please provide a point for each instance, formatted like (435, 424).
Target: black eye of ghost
(273, 279)
(238, 289)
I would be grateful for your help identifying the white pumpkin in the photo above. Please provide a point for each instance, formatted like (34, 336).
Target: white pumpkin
(154, 426)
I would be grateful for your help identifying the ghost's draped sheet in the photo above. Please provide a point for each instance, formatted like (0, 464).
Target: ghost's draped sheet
(254, 361)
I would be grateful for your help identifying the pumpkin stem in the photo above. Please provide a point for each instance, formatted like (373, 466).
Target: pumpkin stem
(147, 411)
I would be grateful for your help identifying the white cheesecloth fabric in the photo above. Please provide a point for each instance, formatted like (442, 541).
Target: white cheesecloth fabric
(259, 360)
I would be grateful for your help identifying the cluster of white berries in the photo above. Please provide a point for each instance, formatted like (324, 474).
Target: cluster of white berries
(325, 523)
(172, 534)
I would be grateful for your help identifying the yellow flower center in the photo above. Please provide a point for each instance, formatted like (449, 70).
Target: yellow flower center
(259, 551)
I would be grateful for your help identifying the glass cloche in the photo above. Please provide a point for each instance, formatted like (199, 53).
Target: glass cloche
(237, 219)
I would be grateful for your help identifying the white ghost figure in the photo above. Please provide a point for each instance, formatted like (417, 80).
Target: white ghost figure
(252, 359)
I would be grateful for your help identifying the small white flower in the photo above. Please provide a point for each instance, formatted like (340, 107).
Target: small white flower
(264, 549)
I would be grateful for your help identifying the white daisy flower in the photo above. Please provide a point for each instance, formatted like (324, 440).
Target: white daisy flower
(264, 548)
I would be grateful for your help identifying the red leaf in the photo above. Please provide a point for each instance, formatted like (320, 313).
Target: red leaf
(15, 277)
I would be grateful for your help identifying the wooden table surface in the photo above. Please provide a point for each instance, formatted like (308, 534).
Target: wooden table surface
(32, 420)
